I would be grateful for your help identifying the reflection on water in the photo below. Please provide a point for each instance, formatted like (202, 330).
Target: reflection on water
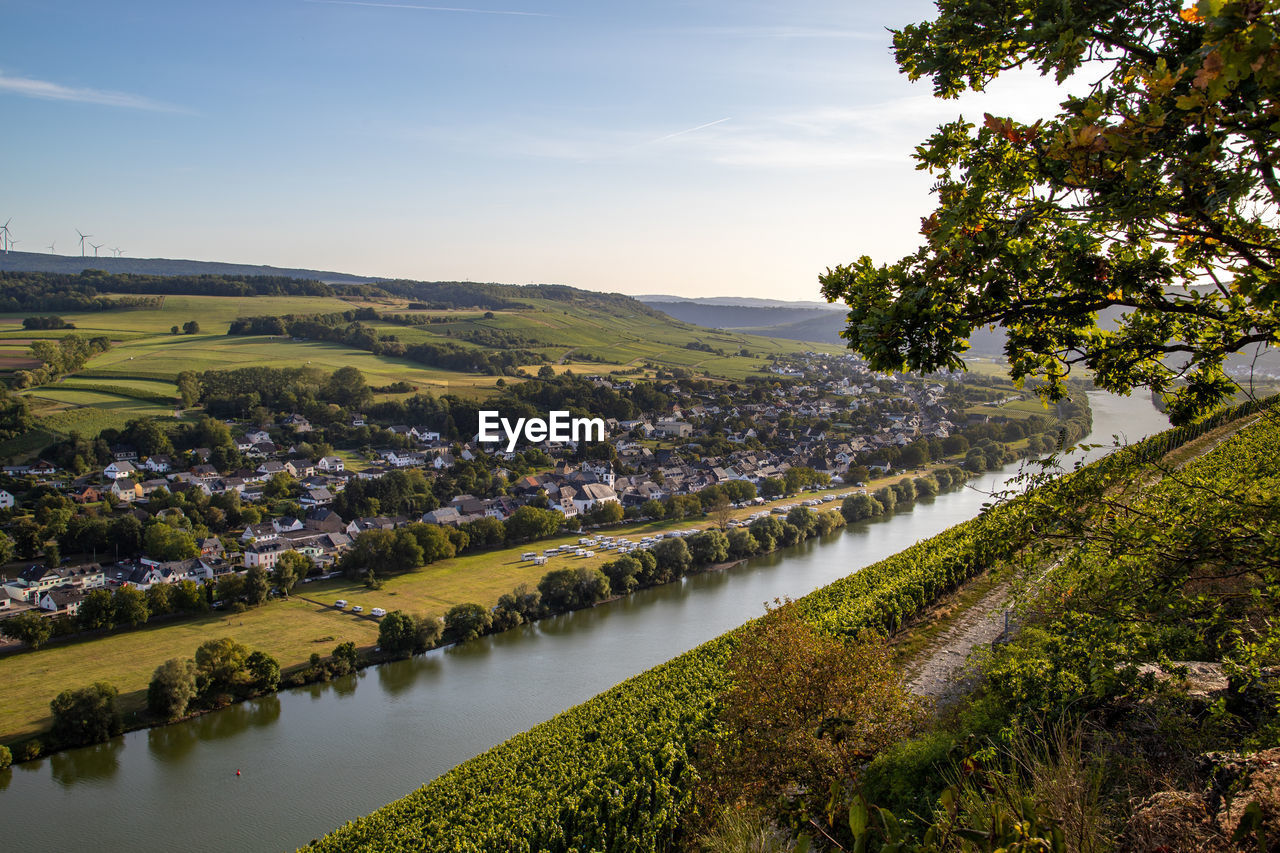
(398, 678)
(175, 741)
(90, 764)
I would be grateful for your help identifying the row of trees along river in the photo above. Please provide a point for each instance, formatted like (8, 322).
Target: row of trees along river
(314, 757)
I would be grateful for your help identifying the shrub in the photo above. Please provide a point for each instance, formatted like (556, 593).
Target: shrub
(172, 688)
(86, 715)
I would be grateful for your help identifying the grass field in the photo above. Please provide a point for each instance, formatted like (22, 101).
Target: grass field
(288, 630)
(76, 409)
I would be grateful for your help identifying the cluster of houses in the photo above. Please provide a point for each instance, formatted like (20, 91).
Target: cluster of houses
(798, 424)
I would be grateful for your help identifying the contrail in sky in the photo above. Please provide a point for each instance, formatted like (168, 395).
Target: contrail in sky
(49, 91)
(687, 130)
(428, 8)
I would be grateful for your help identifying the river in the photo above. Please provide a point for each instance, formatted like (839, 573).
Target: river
(314, 757)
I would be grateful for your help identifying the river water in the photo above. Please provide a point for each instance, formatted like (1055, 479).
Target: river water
(314, 757)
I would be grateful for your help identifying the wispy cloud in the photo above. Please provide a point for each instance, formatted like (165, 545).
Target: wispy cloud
(788, 32)
(46, 90)
(419, 8)
(687, 130)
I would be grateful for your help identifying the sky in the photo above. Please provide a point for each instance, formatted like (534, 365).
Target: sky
(694, 147)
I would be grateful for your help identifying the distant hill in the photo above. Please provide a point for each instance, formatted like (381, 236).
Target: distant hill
(746, 301)
(776, 318)
(74, 264)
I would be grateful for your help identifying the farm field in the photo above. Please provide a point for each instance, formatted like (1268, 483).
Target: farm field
(76, 409)
(213, 313)
(166, 356)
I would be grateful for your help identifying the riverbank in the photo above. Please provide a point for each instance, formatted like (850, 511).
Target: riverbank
(291, 630)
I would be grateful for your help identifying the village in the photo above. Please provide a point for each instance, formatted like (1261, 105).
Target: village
(819, 420)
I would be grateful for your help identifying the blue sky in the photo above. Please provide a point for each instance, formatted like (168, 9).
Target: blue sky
(704, 147)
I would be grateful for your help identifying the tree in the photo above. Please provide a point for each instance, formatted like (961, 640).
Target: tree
(86, 715)
(426, 633)
(803, 709)
(190, 597)
(221, 663)
(563, 590)
(673, 555)
(160, 599)
(256, 585)
(346, 657)
(721, 512)
(528, 523)
(709, 546)
(772, 487)
(347, 387)
(517, 607)
(622, 574)
(466, 622)
(859, 507)
(189, 388)
(803, 519)
(165, 542)
(172, 688)
(230, 587)
(397, 634)
(742, 543)
(290, 568)
(653, 508)
(191, 327)
(129, 605)
(29, 628)
(97, 611)
(1151, 195)
(263, 670)
(857, 474)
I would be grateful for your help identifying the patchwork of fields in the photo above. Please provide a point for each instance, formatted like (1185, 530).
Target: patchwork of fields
(136, 376)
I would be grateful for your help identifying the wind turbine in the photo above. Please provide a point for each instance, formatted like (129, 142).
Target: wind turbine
(51, 250)
(5, 235)
(116, 252)
(83, 237)
(96, 247)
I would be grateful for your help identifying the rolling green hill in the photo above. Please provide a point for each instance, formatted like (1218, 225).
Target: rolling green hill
(561, 327)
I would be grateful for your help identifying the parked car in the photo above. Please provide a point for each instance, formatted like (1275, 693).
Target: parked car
(378, 611)
(357, 609)
(341, 604)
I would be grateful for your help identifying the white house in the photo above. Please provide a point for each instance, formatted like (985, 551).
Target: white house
(592, 494)
(332, 465)
(265, 554)
(159, 464)
(119, 470)
(60, 601)
(6, 500)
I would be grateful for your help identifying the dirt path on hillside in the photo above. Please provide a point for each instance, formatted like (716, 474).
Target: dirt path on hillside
(938, 672)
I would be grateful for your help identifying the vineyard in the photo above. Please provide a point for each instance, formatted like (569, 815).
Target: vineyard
(614, 773)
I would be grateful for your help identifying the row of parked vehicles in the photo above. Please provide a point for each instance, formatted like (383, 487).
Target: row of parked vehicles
(341, 604)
